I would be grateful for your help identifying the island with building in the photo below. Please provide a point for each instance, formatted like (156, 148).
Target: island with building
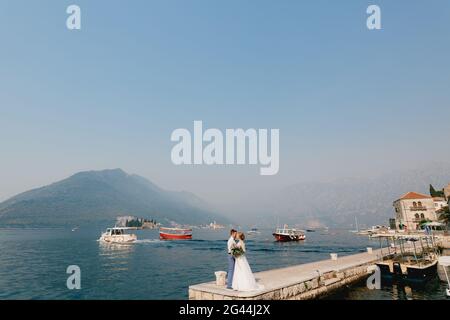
(138, 223)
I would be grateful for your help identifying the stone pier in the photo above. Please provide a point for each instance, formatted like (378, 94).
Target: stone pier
(301, 282)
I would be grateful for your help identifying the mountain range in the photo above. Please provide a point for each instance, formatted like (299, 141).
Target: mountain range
(99, 197)
(336, 203)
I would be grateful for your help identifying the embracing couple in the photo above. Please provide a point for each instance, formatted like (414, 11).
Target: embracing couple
(240, 276)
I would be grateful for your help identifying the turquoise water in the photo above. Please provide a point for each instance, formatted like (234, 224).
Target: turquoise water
(33, 263)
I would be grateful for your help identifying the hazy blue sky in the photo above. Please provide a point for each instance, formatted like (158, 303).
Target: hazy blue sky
(348, 101)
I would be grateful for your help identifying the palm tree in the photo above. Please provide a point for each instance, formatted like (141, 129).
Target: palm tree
(444, 215)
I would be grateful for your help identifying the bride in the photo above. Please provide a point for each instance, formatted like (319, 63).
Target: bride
(243, 279)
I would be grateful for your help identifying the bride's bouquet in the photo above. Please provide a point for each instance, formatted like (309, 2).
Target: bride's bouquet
(237, 252)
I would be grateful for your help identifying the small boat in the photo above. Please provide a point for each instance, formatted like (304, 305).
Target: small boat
(407, 271)
(175, 234)
(310, 230)
(357, 227)
(253, 231)
(215, 226)
(286, 234)
(118, 235)
(408, 261)
(374, 230)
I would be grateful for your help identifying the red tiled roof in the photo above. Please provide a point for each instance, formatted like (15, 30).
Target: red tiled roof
(414, 195)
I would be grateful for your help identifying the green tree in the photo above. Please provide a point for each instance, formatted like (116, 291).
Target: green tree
(432, 191)
(435, 193)
(444, 215)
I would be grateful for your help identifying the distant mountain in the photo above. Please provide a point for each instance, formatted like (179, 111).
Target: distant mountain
(338, 202)
(100, 196)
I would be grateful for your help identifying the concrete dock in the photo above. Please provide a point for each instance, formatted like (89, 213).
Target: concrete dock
(301, 282)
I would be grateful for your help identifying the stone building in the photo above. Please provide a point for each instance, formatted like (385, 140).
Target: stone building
(439, 203)
(412, 208)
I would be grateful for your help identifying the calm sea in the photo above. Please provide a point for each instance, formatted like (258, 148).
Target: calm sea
(34, 261)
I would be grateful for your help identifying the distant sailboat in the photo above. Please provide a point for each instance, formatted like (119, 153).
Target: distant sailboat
(356, 225)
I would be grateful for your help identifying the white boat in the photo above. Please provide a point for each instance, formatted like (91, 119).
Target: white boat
(118, 235)
(253, 231)
(374, 230)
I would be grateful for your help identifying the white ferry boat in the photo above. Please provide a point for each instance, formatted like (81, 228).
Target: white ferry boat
(118, 235)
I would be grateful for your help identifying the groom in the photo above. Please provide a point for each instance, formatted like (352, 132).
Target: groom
(231, 243)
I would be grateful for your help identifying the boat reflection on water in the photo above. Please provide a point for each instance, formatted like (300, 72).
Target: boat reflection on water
(107, 247)
(115, 257)
(400, 290)
(391, 290)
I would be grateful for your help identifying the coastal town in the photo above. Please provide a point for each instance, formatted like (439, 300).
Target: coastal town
(414, 249)
(414, 211)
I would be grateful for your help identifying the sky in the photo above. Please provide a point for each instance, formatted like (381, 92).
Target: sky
(348, 101)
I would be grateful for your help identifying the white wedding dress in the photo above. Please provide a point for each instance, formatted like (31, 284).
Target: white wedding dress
(243, 278)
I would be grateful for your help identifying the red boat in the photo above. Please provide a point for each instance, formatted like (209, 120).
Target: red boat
(285, 234)
(175, 234)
